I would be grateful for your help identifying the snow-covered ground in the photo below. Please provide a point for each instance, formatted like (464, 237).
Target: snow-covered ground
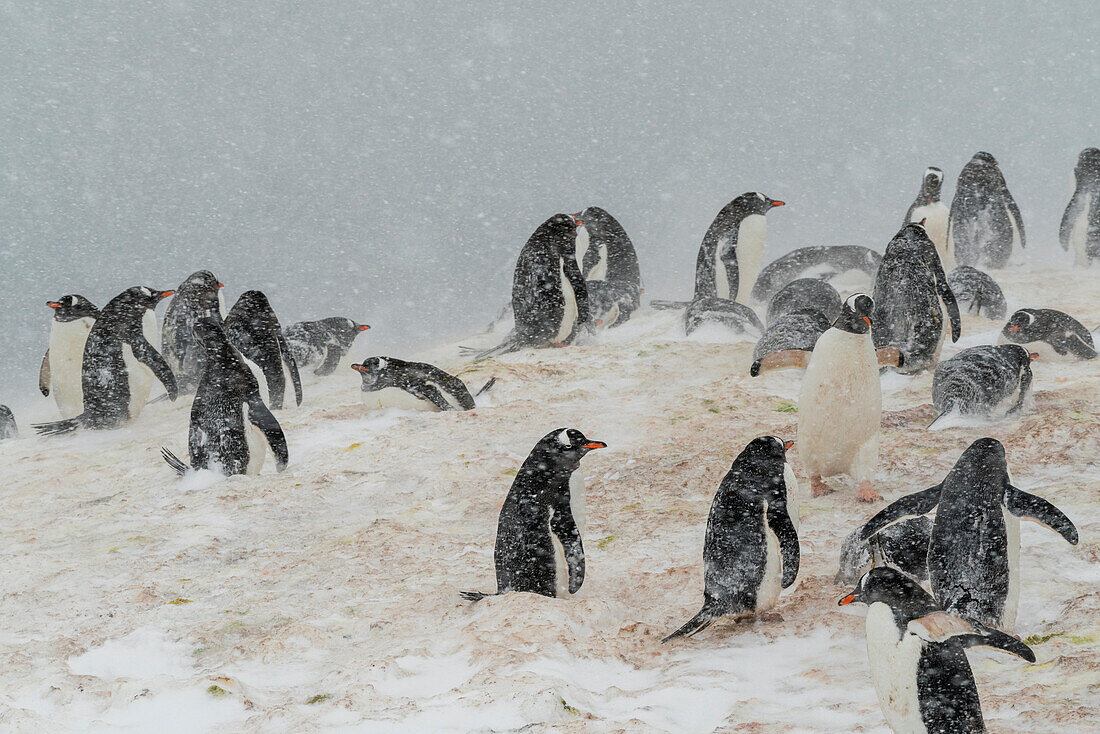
(326, 598)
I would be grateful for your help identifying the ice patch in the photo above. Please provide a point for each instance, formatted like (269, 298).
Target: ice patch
(144, 653)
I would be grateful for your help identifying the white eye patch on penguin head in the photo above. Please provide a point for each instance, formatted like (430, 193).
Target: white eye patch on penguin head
(855, 316)
(371, 371)
(570, 441)
(1020, 320)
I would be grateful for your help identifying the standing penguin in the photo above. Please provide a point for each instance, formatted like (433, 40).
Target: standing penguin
(1080, 230)
(8, 429)
(609, 265)
(1053, 335)
(751, 547)
(197, 297)
(988, 381)
(119, 363)
(974, 553)
(908, 288)
(323, 342)
(733, 249)
(253, 328)
(916, 654)
(928, 208)
(538, 546)
(430, 387)
(985, 224)
(229, 421)
(73, 317)
(841, 388)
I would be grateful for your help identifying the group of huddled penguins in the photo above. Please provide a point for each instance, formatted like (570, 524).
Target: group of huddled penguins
(578, 273)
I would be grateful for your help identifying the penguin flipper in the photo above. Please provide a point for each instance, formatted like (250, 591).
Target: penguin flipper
(44, 374)
(486, 387)
(145, 353)
(173, 461)
(1030, 507)
(1014, 212)
(291, 364)
(799, 358)
(475, 595)
(668, 305)
(942, 627)
(261, 417)
(56, 428)
(332, 360)
(705, 618)
(911, 505)
(432, 394)
(1025, 385)
(780, 523)
(563, 525)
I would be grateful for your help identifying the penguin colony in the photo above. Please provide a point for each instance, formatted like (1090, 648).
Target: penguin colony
(933, 587)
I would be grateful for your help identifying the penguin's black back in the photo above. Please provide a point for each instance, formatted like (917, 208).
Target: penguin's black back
(537, 298)
(104, 375)
(805, 293)
(254, 330)
(978, 292)
(196, 297)
(980, 222)
(977, 379)
(946, 691)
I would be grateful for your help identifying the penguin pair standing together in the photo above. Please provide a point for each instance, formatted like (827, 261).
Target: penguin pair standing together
(609, 266)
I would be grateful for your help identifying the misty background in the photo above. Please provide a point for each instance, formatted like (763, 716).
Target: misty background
(386, 161)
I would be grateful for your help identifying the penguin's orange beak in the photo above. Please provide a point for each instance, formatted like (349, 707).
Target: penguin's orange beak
(53, 304)
(779, 203)
(363, 327)
(788, 446)
(866, 319)
(1014, 328)
(595, 445)
(359, 368)
(1033, 355)
(578, 222)
(165, 294)
(848, 600)
(221, 285)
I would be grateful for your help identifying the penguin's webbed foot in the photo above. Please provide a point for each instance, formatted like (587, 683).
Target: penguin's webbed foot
(866, 494)
(818, 487)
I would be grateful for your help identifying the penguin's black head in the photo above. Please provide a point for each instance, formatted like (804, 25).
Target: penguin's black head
(985, 459)
(933, 182)
(72, 307)
(762, 459)
(983, 157)
(343, 330)
(566, 446)
(1018, 354)
(208, 331)
(1088, 164)
(893, 588)
(143, 296)
(201, 280)
(371, 370)
(758, 203)
(767, 448)
(1018, 327)
(253, 302)
(560, 231)
(855, 315)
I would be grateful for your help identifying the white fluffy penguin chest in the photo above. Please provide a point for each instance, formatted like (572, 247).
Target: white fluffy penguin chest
(894, 659)
(256, 442)
(935, 224)
(772, 582)
(751, 236)
(67, 341)
(1078, 235)
(570, 311)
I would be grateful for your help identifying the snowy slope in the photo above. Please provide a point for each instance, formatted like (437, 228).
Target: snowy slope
(326, 597)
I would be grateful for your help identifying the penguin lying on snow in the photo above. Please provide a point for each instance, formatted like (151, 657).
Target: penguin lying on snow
(609, 266)
(822, 263)
(73, 317)
(928, 208)
(908, 289)
(802, 294)
(734, 316)
(8, 429)
(903, 545)
(989, 381)
(119, 363)
(1053, 335)
(197, 297)
(751, 546)
(788, 341)
(916, 654)
(253, 329)
(431, 386)
(984, 226)
(323, 342)
(538, 546)
(973, 556)
(978, 292)
(1080, 228)
(229, 421)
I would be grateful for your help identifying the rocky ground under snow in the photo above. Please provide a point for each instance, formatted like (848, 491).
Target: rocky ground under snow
(326, 598)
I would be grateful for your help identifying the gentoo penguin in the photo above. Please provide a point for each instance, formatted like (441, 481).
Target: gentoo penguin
(323, 342)
(119, 363)
(840, 388)
(909, 287)
(733, 248)
(538, 546)
(198, 296)
(73, 316)
(988, 381)
(8, 429)
(984, 226)
(916, 654)
(229, 421)
(751, 547)
(549, 295)
(802, 294)
(903, 545)
(254, 330)
(1053, 335)
(609, 265)
(734, 316)
(430, 386)
(978, 292)
(823, 263)
(928, 208)
(786, 342)
(1080, 230)
(974, 553)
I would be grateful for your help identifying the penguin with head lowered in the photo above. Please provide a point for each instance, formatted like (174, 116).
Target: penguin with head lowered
(984, 226)
(73, 317)
(751, 548)
(977, 292)
(200, 294)
(1053, 335)
(323, 342)
(538, 545)
(917, 656)
(831, 263)
(733, 249)
(1080, 228)
(609, 265)
(933, 213)
(119, 363)
(253, 329)
(429, 386)
(974, 551)
(988, 381)
(229, 422)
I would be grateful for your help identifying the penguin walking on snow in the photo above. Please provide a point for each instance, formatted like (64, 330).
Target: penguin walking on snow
(1053, 335)
(197, 297)
(229, 422)
(974, 552)
(840, 388)
(988, 381)
(928, 208)
(119, 363)
(917, 656)
(429, 386)
(609, 266)
(538, 545)
(909, 287)
(751, 547)
(323, 342)
(733, 249)
(253, 329)
(73, 317)
(984, 226)
(1080, 228)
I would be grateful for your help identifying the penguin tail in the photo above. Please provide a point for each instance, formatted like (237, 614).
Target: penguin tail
(668, 305)
(705, 618)
(486, 387)
(474, 595)
(505, 347)
(173, 461)
(934, 420)
(56, 428)
(158, 399)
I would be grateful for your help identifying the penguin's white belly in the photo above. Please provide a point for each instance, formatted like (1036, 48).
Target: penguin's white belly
(67, 341)
(561, 567)
(1078, 236)
(751, 236)
(576, 507)
(260, 379)
(395, 397)
(935, 216)
(893, 663)
(1016, 239)
(840, 407)
(257, 444)
(721, 277)
(599, 272)
(794, 493)
(771, 584)
(581, 247)
(569, 315)
(576, 499)
(1012, 600)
